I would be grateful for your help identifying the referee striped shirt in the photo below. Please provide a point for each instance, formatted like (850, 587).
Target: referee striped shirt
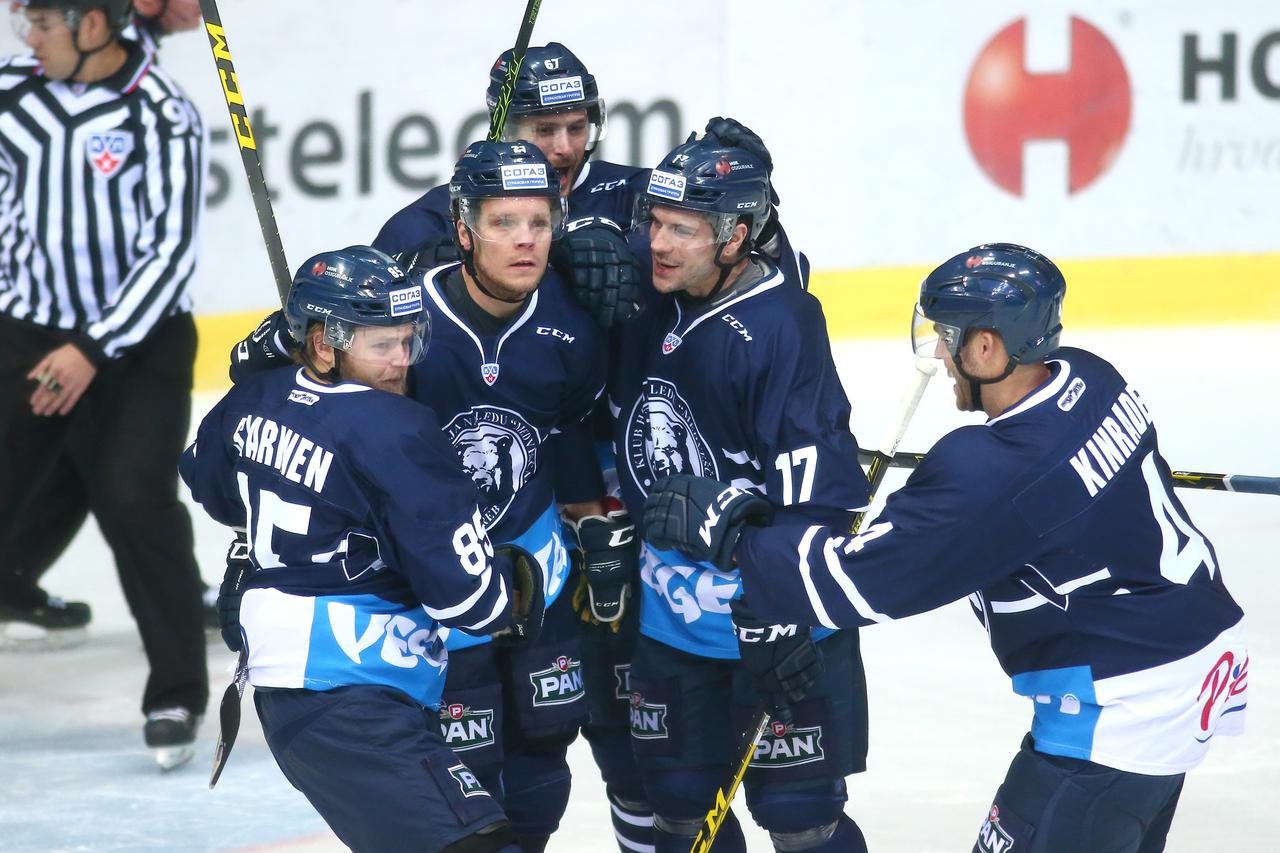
(100, 201)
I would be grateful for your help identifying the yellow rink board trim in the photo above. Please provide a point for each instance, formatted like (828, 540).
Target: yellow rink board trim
(876, 303)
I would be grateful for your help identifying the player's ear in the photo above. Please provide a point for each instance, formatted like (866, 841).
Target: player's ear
(464, 235)
(736, 240)
(93, 31)
(321, 351)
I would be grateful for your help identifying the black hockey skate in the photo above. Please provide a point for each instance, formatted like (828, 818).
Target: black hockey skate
(43, 622)
(171, 734)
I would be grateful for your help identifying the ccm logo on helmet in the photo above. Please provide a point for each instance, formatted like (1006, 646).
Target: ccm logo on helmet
(524, 177)
(407, 301)
(561, 91)
(666, 185)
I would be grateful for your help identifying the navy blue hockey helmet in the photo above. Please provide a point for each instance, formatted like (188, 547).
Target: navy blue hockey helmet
(353, 287)
(503, 170)
(1003, 287)
(726, 184)
(550, 80)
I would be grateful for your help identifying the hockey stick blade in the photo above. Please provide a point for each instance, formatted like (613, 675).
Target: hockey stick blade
(925, 368)
(1248, 484)
(499, 117)
(229, 718)
(239, 114)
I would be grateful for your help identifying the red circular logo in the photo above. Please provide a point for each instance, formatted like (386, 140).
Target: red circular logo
(723, 168)
(319, 267)
(1088, 106)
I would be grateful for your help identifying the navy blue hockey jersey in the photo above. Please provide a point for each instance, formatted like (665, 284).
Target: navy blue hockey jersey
(745, 392)
(364, 534)
(1057, 519)
(500, 397)
(602, 189)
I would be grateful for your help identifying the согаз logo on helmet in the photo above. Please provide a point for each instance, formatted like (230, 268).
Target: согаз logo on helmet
(1087, 106)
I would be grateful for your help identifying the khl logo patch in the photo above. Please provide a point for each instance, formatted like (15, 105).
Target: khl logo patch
(558, 684)
(108, 150)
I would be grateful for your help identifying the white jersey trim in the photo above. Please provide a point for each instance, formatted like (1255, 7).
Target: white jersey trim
(1050, 390)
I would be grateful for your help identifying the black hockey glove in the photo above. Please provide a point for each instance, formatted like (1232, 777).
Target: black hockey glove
(701, 517)
(610, 560)
(435, 250)
(593, 256)
(269, 346)
(783, 660)
(733, 133)
(528, 602)
(232, 589)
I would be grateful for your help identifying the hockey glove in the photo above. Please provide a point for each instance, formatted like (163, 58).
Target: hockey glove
(733, 133)
(436, 250)
(783, 660)
(610, 560)
(270, 345)
(701, 517)
(528, 603)
(232, 589)
(593, 256)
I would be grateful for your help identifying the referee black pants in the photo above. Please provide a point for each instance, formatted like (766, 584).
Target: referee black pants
(114, 455)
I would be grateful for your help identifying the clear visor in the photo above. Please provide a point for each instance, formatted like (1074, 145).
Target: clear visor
(681, 229)
(514, 220)
(572, 130)
(24, 20)
(933, 340)
(382, 346)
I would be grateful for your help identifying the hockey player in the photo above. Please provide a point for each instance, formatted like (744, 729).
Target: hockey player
(1057, 520)
(365, 539)
(514, 361)
(729, 374)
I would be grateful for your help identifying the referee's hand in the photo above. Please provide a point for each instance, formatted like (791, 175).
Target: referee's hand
(62, 377)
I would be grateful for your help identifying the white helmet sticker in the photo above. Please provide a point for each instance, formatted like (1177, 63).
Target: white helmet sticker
(667, 185)
(563, 90)
(529, 176)
(406, 301)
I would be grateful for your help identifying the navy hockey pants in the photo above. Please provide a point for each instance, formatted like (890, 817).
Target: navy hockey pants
(373, 764)
(1054, 804)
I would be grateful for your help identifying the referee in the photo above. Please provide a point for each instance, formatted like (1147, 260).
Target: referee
(101, 164)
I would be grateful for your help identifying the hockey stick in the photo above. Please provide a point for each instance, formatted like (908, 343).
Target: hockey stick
(499, 117)
(248, 147)
(880, 463)
(1241, 483)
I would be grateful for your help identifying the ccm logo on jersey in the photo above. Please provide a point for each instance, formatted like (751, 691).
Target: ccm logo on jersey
(407, 301)
(560, 91)
(530, 176)
(555, 333)
(736, 326)
(666, 185)
(306, 398)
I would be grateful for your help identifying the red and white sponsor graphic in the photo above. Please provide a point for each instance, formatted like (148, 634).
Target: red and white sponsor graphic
(1225, 681)
(1088, 106)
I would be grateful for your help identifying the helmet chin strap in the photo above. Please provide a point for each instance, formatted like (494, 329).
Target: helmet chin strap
(975, 383)
(468, 263)
(74, 19)
(726, 267)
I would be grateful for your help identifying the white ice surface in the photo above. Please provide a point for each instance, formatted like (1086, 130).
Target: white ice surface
(74, 774)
